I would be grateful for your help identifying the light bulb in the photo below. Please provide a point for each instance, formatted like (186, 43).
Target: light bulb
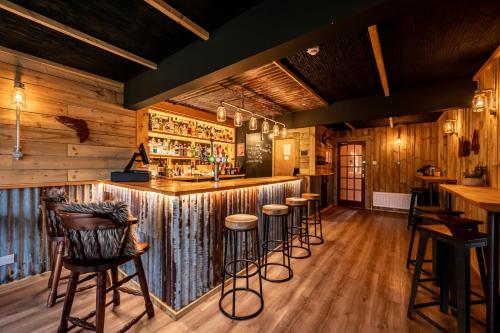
(276, 129)
(398, 141)
(284, 132)
(479, 102)
(252, 123)
(265, 126)
(18, 95)
(238, 119)
(221, 114)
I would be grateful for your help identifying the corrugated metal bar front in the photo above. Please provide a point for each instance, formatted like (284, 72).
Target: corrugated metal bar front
(22, 232)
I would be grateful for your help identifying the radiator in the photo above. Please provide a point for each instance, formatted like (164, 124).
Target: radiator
(391, 200)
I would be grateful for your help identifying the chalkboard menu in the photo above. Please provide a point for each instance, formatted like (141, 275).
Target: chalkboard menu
(259, 155)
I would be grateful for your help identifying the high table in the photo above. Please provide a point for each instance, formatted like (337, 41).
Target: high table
(489, 199)
(431, 180)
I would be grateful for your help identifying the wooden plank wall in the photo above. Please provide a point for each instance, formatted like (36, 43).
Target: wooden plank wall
(467, 122)
(418, 147)
(52, 151)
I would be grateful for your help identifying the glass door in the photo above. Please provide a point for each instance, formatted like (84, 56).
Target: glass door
(351, 179)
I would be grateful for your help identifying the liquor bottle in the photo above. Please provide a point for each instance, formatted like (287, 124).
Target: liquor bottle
(161, 168)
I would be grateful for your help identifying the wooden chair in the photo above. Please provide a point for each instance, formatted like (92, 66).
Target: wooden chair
(78, 262)
(55, 237)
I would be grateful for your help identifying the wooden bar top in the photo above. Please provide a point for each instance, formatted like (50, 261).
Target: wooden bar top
(176, 188)
(434, 179)
(487, 198)
(198, 178)
(47, 184)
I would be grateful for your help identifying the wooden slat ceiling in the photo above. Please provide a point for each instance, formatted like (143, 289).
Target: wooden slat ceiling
(268, 90)
(132, 25)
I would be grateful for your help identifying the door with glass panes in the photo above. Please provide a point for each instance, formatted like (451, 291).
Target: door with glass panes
(351, 174)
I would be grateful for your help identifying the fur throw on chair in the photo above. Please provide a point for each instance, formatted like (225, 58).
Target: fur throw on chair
(109, 239)
(55, 194)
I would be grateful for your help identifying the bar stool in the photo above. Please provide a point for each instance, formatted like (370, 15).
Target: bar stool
(459, 242)
(315, 200)
(233, 225)
(55, 237)
(430, 218)
(278, 214)
(417, 194)
(298, 226)
(90, 253)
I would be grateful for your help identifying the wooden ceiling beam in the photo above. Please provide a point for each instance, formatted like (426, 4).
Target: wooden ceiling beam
(299, 81)
(439, 96)
(488, 62)
(379, 59)
(68, 31)
(348, 124)
(176, 16)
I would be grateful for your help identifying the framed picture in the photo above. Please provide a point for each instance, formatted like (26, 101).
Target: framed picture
(240, 150)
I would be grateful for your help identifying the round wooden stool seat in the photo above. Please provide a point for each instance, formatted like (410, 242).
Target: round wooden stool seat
(241, 222)
(311, 196)
(294, 201)
(275, 209)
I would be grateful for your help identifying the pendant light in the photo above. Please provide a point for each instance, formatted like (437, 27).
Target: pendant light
(276, 129)
(238, 119)
(221, 114)
(265, 126)
(252, 123)
(284, 132)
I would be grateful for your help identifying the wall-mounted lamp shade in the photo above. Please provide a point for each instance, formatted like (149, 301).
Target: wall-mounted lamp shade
(398, 141)
(238, 119)
(276, 130)
(449, 126)
(221, 114)
(284, 132)
(479, 102)
(252, 123)
(18, 95)
(265, 126)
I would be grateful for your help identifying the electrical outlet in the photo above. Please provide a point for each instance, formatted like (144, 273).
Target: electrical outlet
(7, 260)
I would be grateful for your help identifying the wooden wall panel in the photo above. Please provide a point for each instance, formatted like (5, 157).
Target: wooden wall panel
(467, 122)
(52, 151)
(419, 146)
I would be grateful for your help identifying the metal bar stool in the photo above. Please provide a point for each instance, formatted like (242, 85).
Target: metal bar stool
(458, 242)
(234, 225)
(298, 226)
(278, 214)
(315, 200)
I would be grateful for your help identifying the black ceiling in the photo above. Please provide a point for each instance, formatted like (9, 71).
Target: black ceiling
(384, 122)
(437, 41)
(343, 69)
(132, 25)
(448, 40)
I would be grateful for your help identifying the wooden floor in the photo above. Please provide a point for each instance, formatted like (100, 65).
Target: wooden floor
(355, 282)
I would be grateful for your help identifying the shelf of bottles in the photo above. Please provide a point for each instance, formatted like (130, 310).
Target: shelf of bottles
(179, 143)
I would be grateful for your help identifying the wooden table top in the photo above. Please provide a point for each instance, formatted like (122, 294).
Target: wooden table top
(172, 187)
(487, 198)
(434, 179)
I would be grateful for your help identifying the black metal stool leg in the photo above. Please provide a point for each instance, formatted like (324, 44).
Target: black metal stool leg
(235, 249)
(418, 271)
(462, 266)
(410, 246)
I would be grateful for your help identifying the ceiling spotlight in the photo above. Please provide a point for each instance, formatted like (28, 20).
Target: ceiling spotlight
(313, 50)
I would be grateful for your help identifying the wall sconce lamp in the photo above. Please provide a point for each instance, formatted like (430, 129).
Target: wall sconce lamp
(19, 99)
(450, 126)
(484, 100)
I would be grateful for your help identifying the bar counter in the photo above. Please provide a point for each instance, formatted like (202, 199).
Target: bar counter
(183, 223)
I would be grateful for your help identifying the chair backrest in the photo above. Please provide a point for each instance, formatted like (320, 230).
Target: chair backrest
(90, 237)
(50, 219)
